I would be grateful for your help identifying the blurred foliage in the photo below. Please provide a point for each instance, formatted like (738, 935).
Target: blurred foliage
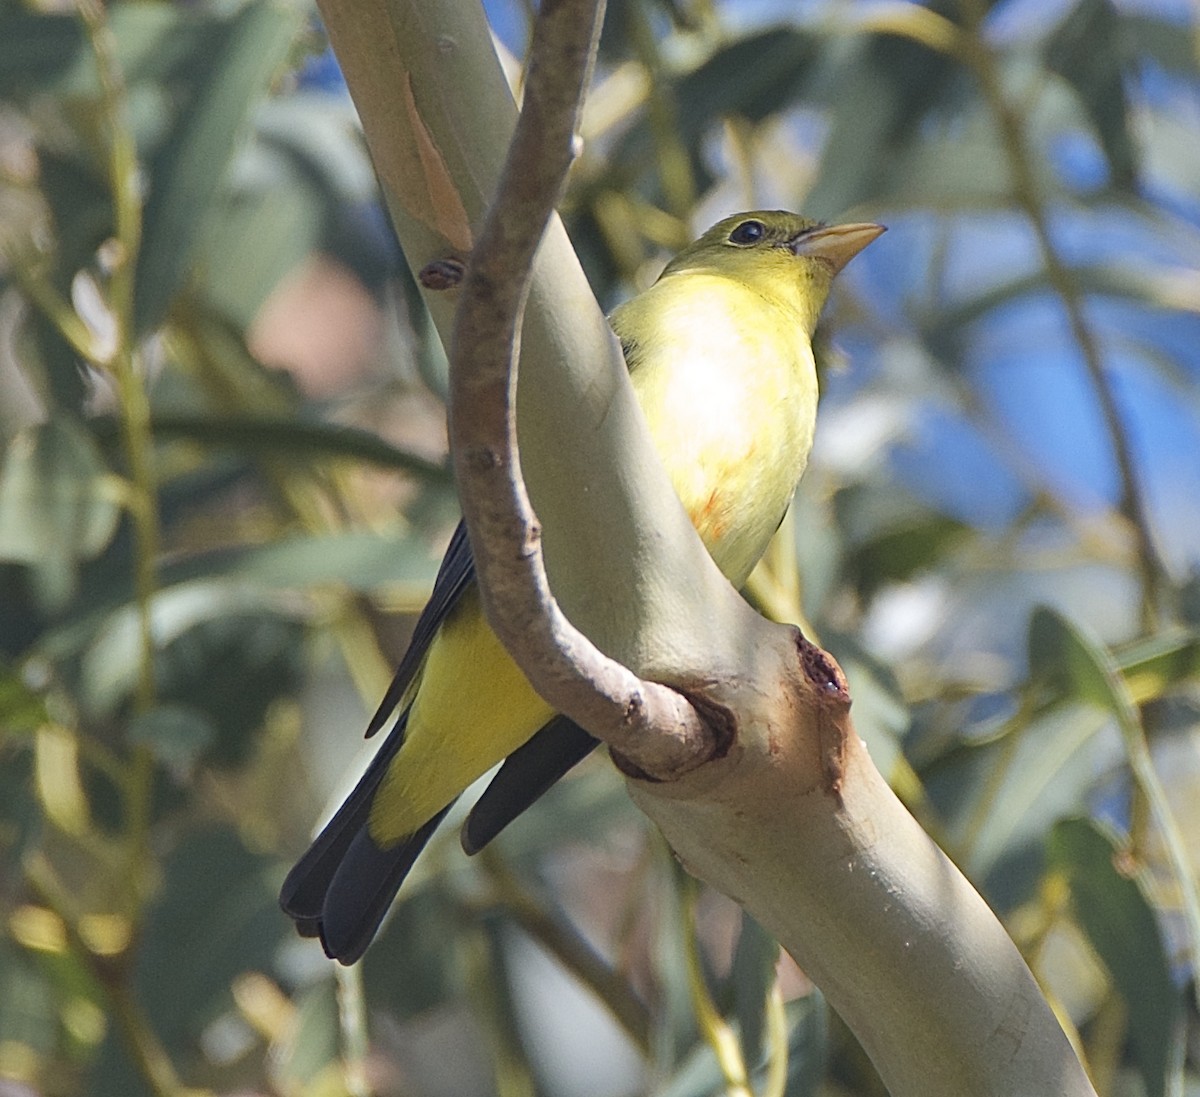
(223, 491)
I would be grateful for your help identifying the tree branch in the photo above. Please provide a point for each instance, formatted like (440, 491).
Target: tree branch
(653, 727)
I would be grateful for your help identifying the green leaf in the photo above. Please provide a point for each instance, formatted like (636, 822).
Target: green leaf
(1088, 51)
(21, 708)
(51, 495)
(155, 44)
(360, 560)
(1074, 665)
(229, 671)
(294, 190)
(186, 171)
(1001, 798)
(28, 1011)
(35, 49)
(312, 1043)
(1161, 40)
(698, 1075)
(753, 977)
(258, 238)
(270, 435)
(1127, 283)
(751, 78)
(1159, 664)
(1115, 912)
(1065, 657)
(176, 734)
(56, 506)
(882, 94)
(214, 917)
(897, 553)
(421, 937)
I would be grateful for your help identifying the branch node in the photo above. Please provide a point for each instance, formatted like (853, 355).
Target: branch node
(442, 274)
(533, 538)
(482, 458)
(634, 707)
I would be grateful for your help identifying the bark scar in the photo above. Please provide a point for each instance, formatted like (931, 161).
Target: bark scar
(442, 274)
(831, 699)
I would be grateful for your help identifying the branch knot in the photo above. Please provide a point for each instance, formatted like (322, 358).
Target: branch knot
(442, 274)
(482, 458)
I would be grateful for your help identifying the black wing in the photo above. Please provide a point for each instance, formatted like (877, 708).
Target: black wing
(456, 573)
(526, 774)
(342, 887)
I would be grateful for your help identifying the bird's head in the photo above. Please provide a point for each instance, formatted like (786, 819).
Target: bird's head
(781, 255)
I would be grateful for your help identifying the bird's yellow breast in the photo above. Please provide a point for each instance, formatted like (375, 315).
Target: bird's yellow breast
(726, 379)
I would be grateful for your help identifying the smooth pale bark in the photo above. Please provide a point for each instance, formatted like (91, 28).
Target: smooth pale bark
(794, 822)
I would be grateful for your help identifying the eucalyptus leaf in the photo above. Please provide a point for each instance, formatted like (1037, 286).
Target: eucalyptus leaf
(1161, 39)
(35, 49)
(882, 94)
(229, 670)
(22, 709)
(57, 504)
(358, 559)
(1088, 51)
(28, 1010)
(753, 977)
(1160, 664)
(185, 173)
(256, 241)
(897, 553)
(214, 917)
(312, 1044)
(751, 77)
(1062, 658)
(265, 434)
(1115, 912)
(176, 734)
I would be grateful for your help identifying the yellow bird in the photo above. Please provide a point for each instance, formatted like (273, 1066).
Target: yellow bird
(720, 356)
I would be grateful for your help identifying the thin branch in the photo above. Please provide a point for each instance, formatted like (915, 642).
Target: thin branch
(1132, 505)
(968, 46)
(656, 728)
(134, 403)
(560, 938)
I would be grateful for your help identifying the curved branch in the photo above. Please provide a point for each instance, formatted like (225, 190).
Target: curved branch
(652, 726)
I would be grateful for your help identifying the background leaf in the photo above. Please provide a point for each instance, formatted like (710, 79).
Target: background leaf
(186, 171)
(1121, 925)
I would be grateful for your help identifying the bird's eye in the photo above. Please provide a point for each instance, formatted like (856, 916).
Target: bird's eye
(748, 232)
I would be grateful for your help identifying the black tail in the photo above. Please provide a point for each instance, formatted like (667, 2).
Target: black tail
(342, 887)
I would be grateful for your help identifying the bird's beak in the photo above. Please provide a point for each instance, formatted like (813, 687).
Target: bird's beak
(836, 244)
